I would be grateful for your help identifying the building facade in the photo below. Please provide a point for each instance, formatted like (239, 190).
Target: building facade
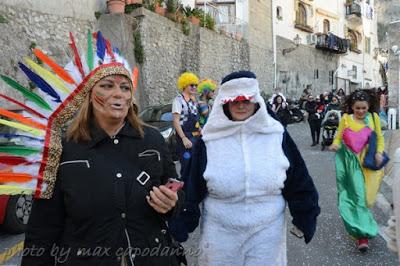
(343, 33)
(389, 41)
(251, 20)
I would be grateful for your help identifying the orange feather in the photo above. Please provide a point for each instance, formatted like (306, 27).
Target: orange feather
(22, 119)
(54, 66)
(15, 177)
(135, 77)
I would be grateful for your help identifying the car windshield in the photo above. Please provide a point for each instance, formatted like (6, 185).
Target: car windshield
(157, 114)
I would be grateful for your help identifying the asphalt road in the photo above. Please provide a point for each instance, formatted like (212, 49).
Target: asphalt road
(331, 244)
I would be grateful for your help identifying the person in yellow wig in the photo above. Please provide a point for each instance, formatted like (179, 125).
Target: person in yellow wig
(357, 185)
(186, 116)
(205, 90)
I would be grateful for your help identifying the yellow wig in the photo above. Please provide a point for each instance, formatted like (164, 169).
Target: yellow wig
(187, 79)
(206, 84)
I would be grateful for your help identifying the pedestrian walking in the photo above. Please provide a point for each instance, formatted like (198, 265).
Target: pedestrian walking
(279, 107)
(244, 170)
(206, 90)
(104, 200)
(358, 185)
(315, 111)
(186, 117)
(303, 98)
(342, 95)
(333, 105)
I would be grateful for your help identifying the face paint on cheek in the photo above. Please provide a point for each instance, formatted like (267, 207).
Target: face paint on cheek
(99, 98)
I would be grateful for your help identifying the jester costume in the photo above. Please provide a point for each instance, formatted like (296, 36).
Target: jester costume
(206, 90)
(357, 186)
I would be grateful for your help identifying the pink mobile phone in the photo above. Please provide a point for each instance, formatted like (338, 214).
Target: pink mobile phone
(174, 184)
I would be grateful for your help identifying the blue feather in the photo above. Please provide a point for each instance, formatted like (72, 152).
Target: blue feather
(101, 46)
(10, 136)
(41, 83)
(116, 50)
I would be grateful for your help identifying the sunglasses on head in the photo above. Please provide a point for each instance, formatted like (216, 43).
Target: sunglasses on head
(360, 96)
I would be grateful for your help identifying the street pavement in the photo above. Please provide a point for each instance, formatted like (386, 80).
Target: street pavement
(331, 245)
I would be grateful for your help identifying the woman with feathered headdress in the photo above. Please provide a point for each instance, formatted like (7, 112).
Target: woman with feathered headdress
(98, 173)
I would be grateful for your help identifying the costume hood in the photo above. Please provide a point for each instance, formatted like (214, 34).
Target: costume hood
(241, 85)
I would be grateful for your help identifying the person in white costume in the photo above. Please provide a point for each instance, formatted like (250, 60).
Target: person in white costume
(245, 169)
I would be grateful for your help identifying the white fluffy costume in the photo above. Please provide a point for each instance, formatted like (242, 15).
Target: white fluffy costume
(243, 171)
(243, 215)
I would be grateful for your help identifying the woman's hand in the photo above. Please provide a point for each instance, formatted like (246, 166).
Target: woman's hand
(162, 199)
(187, 143)
(334, 147)
(378, 158)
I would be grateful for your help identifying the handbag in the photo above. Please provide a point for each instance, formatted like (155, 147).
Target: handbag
(369, 160)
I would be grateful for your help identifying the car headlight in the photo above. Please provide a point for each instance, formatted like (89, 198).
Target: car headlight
(166, 133)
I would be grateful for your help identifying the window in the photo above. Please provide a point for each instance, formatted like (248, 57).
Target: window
(302, 15)
(327, 26)
(283, 76)
(331, 77)
(353, 41)
(279, 13)
(316, 74)
(367, 45)
(354, 72)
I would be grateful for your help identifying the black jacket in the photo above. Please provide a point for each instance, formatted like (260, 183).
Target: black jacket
(99, 208)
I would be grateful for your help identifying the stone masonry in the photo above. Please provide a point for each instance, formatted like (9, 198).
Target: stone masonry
(261, 43)
(22, 29)
(168, 53)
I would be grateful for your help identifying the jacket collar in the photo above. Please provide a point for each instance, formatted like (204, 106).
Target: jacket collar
(98, 134)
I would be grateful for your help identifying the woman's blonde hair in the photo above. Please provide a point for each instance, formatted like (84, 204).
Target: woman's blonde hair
(79, 129)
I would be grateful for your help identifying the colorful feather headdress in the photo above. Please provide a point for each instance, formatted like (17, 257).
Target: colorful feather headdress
(30, 165)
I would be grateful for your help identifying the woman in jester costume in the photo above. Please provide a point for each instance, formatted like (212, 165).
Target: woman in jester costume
(358, 186)
(206, 90)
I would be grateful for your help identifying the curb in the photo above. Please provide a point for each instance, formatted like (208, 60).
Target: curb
(384, 199)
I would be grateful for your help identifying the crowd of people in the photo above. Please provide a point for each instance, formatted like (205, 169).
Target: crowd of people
(317, 107)
(107, 192)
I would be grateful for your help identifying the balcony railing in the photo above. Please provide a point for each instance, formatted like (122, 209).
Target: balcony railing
(224, 22)
(332, 43)
(353, 9)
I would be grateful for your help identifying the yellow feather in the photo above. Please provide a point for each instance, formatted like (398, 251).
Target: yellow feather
(33, 131)
(47, 75)
(15, 190)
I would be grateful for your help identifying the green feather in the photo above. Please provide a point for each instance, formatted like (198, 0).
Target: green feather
(18, 150)
(90, 50)
(28, 94)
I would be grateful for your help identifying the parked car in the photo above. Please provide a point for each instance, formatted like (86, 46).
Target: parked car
(14, 212)
(160, 116)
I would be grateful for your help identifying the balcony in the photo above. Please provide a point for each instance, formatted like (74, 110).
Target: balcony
(332, 43)
(354, 48)
(303, 26)
(353, 13)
